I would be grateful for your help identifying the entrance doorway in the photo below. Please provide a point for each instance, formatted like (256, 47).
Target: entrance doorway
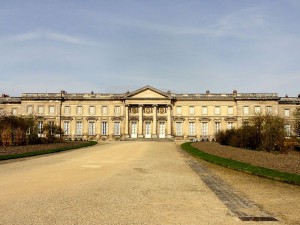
(148, 130)
(162, 128)
(133, 129)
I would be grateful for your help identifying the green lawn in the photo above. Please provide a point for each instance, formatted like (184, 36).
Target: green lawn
(241, 166)
(34, 153)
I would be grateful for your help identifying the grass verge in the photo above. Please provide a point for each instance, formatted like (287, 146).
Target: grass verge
(34, 153)
(241, 166)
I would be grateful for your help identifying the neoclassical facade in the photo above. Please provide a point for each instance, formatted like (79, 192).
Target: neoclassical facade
(147, 113)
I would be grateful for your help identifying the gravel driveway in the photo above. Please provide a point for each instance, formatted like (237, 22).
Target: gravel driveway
(116, 183)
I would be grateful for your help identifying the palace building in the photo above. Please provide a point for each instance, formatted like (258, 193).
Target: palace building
(148, 113)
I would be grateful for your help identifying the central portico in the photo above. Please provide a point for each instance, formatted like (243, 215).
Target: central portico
(148, 114)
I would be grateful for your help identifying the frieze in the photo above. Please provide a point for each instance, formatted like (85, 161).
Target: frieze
(148, 118)
(161, 118)
(67, 118)
(134, 118)
(117, 118)
(230, 119)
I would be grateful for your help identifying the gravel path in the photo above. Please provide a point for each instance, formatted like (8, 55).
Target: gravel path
(289, 162)
(116, 183)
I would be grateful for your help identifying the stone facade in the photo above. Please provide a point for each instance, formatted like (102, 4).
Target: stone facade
(148, 112)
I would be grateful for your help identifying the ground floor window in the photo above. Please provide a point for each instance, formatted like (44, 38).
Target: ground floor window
(230, 125)
(217, 127)
(192, 128)
(78, 128)
(287, 128)
(40, 127)
(205, 128)
(178, 128)
(92, 128)
(66, 128)
(117, 128)
(104, 128)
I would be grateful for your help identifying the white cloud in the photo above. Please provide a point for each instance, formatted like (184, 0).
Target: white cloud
(47, 35)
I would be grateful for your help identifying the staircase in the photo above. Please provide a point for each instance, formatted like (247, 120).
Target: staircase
(149, 139)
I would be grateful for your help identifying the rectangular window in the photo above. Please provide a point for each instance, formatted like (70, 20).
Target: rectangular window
(92, 110)
(287, 112)
(287, 128)
(78, 128)
(66, 127)
(29, 109)
(192, 110)
(269, 109)
(51, 126)
(67, 109)
(217, 127)
(230, 110)
(205, 128)
(178, 110)
(117, 110)
(41, 109)
(51, 110)
(178, 128)
(104, 128)
(14, 111)
(192, 128)
(40, 127)
(79, 110)
(104, 110)
(217, 110)
(204, 110)
(92, 128)
(230, 125)
(117, 128)
(257, 109)
(246, 110)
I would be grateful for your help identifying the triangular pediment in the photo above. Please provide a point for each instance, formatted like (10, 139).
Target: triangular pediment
(148, 92)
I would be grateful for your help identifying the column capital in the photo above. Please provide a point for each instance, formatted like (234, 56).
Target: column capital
(140, 105)
(154, 105)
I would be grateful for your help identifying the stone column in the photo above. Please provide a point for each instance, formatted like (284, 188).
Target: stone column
(169, 122)
(126, 133)
(140, 131)
(154, 135)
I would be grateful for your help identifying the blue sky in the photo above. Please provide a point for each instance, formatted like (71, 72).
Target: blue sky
(182, 46)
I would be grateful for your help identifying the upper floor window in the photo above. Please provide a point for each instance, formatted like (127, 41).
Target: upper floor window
(51, 109)
(117, 110)
(79, 110)
(104, 110)
(92, 110)
(1, 111)
(257, 109)
(269, 109)
(246, 110)
(41, 109)
(14, 111)
(204, 110)
(230, 110)
(192, 110)
(217, 110)
(67, 109)
(178, 110)
(286, 112)
(29, 109)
